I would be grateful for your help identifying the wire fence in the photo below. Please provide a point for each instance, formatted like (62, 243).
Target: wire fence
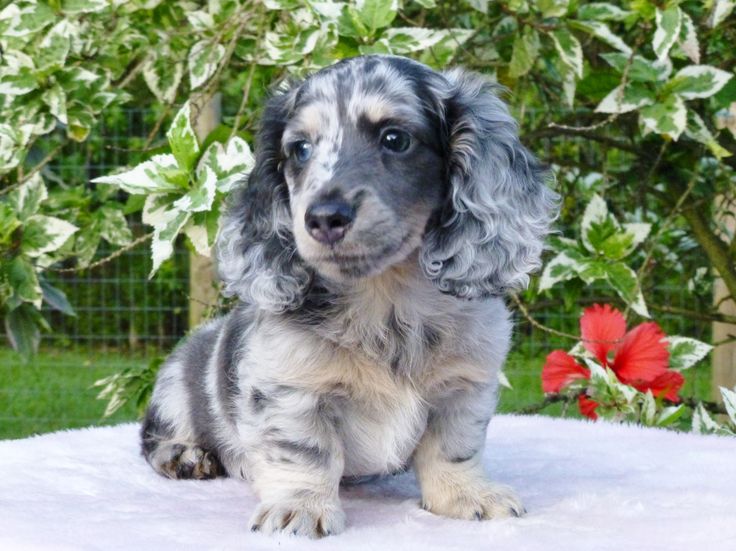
(123, 319)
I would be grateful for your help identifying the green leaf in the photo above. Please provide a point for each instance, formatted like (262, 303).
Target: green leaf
(17, 81)
(688, 39)
(9, 222)
(83, 6)
(429, 4)
(183, 140)
(201, 196)
(668, 117)
(526, 48)
(602, 32)
(376, 14)
(13, 140)
(19, 20)
(404, 40)
(24, 281)
(23, 331)
(113, 227)
(27, 199)
(204, 58)
(56, 298)
(164, 234)
(703, 423)
(685, 352)
(45, 234)
(569, 49)
(552, 8)
(669, 415)
(640, 69)
(54, 48)
(623, 280)
(162, 75)
(55, 99)
(721, 10)
(698, 81)
(601, 11)
(161, 173)
(230, 164)
(698, 131)
(566, 265)
(668, 29)
(729, 400)
(623, 100)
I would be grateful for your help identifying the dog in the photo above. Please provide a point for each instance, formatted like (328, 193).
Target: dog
(389, 209)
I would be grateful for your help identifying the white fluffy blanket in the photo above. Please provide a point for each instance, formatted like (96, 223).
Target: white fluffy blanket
(586, 486)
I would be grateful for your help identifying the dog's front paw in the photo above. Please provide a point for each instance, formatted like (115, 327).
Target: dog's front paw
(477, 500)
(301, 519)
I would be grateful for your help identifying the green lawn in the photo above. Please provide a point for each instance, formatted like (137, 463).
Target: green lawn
(54, 391)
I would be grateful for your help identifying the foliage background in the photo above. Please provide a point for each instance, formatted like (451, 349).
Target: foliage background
(631, 103)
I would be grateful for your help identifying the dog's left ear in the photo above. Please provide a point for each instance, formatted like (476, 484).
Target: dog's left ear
(489, 235)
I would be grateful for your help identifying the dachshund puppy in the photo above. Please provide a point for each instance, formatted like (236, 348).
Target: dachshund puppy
(389, 209)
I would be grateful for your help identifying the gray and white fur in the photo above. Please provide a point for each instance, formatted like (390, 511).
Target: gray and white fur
(389, 209)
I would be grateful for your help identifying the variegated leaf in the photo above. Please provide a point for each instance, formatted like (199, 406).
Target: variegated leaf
(569, 49)
(620, 100)
(721, 10)
(164, 235)
(668, 29)
(602, 32)
(162, 75)
(699, 81)
(561, 268)
(668, 117)
(601, 11)
(45, 234)
(688, 40)
(182, 139)
(729, 400)
(27, 199)
(204, 58)
(685, 352)
(161, 173)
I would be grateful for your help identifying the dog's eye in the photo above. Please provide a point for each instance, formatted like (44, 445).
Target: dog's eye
(302, 151)
(397, 141)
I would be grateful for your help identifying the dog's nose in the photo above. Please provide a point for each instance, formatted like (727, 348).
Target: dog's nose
(328, 221)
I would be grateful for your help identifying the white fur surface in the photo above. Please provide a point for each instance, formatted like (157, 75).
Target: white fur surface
(586, 486)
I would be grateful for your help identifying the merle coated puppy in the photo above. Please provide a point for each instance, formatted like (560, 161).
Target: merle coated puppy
(389, 209)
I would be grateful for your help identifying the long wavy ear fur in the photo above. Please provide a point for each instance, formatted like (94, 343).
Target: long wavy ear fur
(256, 252)
(489, 236)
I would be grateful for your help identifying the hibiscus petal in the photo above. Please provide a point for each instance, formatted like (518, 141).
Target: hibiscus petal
(602, 323)
(561, 369)
(642, 355)
(587, 407)
(667, 385)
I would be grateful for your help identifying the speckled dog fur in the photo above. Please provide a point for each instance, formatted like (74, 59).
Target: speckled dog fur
(378, 351)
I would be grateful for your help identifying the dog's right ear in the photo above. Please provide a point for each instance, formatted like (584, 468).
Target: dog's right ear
(256, 253)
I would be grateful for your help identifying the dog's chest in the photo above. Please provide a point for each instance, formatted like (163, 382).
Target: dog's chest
(380, 434)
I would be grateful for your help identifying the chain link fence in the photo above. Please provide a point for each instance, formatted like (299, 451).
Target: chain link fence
(123, 319)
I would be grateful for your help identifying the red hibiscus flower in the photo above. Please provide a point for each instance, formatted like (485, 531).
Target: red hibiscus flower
(587, 407)
(638, 358)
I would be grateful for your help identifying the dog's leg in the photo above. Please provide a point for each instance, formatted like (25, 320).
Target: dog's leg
(296, 464)
(448, 460)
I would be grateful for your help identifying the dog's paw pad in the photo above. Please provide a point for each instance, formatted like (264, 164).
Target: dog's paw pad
(298, 519)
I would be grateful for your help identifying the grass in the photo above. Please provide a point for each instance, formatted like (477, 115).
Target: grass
(55, 391)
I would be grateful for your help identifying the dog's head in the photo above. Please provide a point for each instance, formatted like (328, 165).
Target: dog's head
(372, 159)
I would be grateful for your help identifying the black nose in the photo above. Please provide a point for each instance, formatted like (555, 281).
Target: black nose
(328, 221)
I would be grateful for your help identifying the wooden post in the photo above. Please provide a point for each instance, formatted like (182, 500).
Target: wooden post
(202, 290)
(724, 356)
